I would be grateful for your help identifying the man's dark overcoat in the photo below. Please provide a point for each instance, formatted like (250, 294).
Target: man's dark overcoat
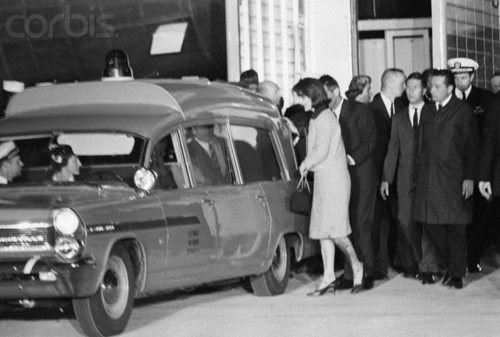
(489, 168)
(360, 136)
(447, 154)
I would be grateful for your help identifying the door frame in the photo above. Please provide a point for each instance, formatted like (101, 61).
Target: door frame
(391, 34)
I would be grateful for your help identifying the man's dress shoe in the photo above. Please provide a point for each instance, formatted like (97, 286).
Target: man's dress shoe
(455, 282)
(428, 278)
(410, 275)
(368, 283)
(344, 283)
(380, 276)
(474, 268)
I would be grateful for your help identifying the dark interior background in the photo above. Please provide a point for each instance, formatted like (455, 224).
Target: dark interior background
(67, 40)
(393, 9)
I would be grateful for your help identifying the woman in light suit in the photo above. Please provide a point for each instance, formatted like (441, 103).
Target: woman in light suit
(326, 157)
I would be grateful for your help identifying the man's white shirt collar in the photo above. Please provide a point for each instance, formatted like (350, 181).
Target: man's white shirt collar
(411, 111)
(387, 103)
(204, 145)
(3, 181)
(458, 92)
(443, 104)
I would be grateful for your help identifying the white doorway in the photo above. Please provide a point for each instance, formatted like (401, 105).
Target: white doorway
(403, 44)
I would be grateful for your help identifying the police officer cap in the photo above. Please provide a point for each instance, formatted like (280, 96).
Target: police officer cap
(8, 150)
(462, 65)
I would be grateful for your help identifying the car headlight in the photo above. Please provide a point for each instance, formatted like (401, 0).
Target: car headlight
(68, 248)
(65, 221)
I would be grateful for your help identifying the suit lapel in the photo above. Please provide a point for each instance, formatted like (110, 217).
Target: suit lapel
(472, 96)
(406, 117)
(344, 111)
(383, 109)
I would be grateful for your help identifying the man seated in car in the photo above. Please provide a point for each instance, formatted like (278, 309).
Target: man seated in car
(209, 154)
(10, 162)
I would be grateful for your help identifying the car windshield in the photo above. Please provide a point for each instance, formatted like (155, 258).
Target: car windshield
(79, 157)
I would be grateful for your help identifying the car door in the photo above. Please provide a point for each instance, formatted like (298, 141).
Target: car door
(242, 215)
(190, 217)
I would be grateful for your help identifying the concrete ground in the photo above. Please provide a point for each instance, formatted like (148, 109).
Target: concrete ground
(395, 307)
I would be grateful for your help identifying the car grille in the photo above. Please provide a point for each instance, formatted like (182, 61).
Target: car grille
(26, 238)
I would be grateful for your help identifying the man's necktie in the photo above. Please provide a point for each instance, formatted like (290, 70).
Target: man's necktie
(463, 95)
(440, 107)
(392, 109)
(213, 156)
(415, 120)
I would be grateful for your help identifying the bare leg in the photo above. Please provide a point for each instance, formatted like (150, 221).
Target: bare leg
(328, 256)
(347, 248)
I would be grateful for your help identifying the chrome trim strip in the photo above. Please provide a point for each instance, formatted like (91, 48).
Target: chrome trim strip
(26, 225)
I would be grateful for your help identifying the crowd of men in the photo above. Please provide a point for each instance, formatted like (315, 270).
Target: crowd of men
(424, 162)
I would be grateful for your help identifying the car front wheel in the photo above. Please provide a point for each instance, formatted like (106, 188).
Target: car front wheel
(275, 280)
(107, 312)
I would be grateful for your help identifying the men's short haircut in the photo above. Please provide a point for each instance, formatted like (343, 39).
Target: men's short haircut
(416, 76)
(249, 76)
(313, 89)
(427, 74)
(329, 82)
(390, 72)
(449, 78)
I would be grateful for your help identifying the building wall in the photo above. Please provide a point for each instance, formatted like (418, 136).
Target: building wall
(472, 30)
(330, 44)
(285, 40)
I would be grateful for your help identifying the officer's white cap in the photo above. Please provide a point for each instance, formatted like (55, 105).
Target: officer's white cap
(462, 65)
(8, 150)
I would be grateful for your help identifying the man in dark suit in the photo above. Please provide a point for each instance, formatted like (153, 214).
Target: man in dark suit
(489, 169)
(416, 253)
(209, 156)
(384, 106)
(359, 136)
(447, 155)
(463, 70)
(495, 82)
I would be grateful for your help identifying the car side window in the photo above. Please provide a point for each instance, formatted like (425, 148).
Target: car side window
(209, 154)
(166, 162)
(256, 154)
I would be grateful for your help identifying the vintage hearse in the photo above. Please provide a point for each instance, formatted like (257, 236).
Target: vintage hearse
(149, 212)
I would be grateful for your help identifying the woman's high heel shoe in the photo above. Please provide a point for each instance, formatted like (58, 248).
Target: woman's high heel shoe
(357, 287)
(321, 291)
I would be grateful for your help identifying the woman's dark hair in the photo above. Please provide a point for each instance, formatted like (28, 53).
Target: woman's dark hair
(59, 156)
(313, 89)
(357, 85)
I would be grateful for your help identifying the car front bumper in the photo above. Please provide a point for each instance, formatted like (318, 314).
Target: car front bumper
(48, 281)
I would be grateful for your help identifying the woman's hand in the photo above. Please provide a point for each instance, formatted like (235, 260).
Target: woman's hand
(303, 169)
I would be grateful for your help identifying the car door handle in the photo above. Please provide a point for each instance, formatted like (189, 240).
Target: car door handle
(209, 202)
